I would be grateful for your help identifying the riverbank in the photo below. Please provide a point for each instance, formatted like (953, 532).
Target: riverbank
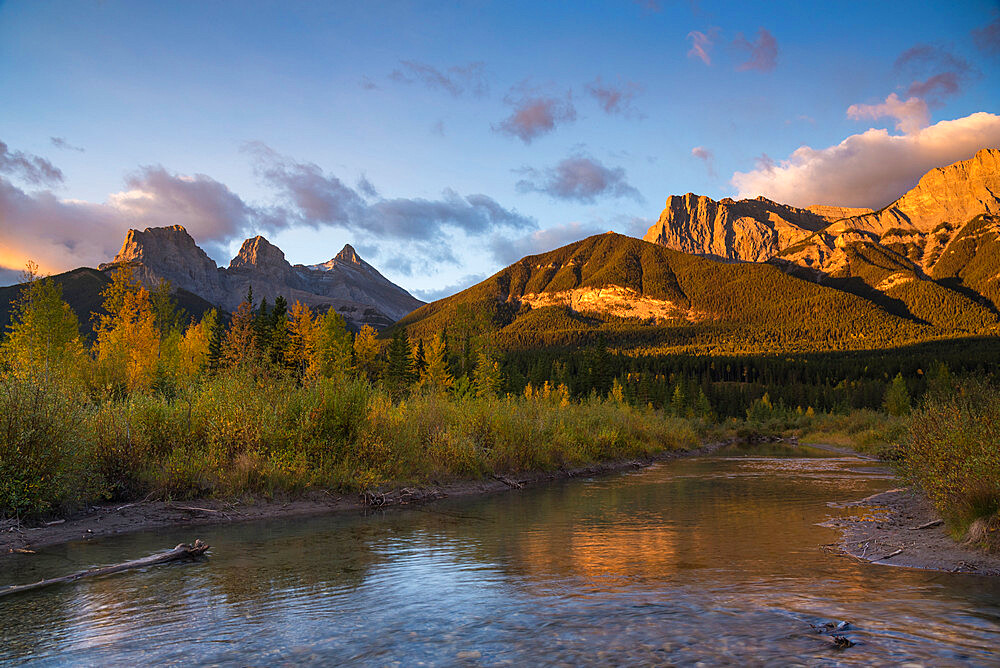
(104, 520)
(900, 527)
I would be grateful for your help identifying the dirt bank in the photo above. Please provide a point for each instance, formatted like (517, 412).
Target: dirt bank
(899, 527)
(111, 519)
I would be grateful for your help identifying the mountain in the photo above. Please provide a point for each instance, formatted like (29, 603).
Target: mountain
(82, 291)
(889, 257)
(346, 282)
(636, 294)
(751, 230)
(918, 225)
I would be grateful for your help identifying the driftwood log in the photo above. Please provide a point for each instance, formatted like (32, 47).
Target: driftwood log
(182, 551)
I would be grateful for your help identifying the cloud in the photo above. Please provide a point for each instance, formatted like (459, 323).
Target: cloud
(705, 156)
(934, 72)
(314, 198)
(62, 234)
(615, 98)
(911, 115)
(763, 52)
(366, 188)
(457, 80)
(29, 168)
(702, 43)
(579, 178)
(507, 251)
(987, 38)
(367, 84)
(464, 282)
(535, 113)
(871, 169)
(57, 234)
(649, 5)
(208, 209)
(60, 142)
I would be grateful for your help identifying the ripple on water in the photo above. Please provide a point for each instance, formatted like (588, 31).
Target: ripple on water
(714, 560)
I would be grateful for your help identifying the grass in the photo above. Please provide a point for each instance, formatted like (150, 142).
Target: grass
(236, 434)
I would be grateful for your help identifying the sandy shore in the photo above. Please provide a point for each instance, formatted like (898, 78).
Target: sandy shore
(900, 527)
(110, 519)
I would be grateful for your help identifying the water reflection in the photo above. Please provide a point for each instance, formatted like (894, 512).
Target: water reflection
(713, 559)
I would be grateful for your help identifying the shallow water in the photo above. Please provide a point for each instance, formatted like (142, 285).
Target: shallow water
(715, 559)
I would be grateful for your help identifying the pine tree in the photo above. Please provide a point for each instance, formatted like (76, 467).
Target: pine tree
(216, 334)
(419, 359)
(487, 378)
(399, 370)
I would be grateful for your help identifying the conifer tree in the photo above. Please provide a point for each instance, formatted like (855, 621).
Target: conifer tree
(366, 353)
(238, 349)
(301, 338)
(399, 370)
(419, 359)
(128, 342)
(487, 378)
(216, 335)
(435, 377)
(897, 397)
(331, 348)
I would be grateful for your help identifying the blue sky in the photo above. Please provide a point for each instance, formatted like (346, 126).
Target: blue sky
(445, 141)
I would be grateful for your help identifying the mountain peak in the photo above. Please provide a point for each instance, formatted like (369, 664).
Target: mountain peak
(259, 252)
(348, 254)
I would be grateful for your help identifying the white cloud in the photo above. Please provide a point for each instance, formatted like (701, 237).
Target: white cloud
(870, 169)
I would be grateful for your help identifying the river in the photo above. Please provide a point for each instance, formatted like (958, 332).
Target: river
(716, 559)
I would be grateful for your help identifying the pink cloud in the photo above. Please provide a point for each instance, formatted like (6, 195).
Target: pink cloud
(911, 115)
(702, 43)
(763, 51)
(870, 169)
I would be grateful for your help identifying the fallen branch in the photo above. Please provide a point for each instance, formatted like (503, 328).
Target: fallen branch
(927, 525)
(182, 551)
(507, 481)
(893, 554)
(194, 509)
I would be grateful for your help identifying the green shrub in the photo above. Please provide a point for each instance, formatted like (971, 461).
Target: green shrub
(43, 446)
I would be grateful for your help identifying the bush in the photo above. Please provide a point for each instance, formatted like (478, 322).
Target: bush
(43, 447)
(952, 451)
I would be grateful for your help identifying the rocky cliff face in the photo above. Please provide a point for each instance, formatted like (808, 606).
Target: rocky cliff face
(954, 194)
(346, 283)
(751, 230)
(919, 225)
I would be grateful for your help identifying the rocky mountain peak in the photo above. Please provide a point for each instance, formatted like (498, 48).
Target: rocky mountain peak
(747, 229)
(348, 254)
(156, 242)
(259, 253)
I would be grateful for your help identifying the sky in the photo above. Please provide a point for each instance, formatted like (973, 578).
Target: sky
(447, 140)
